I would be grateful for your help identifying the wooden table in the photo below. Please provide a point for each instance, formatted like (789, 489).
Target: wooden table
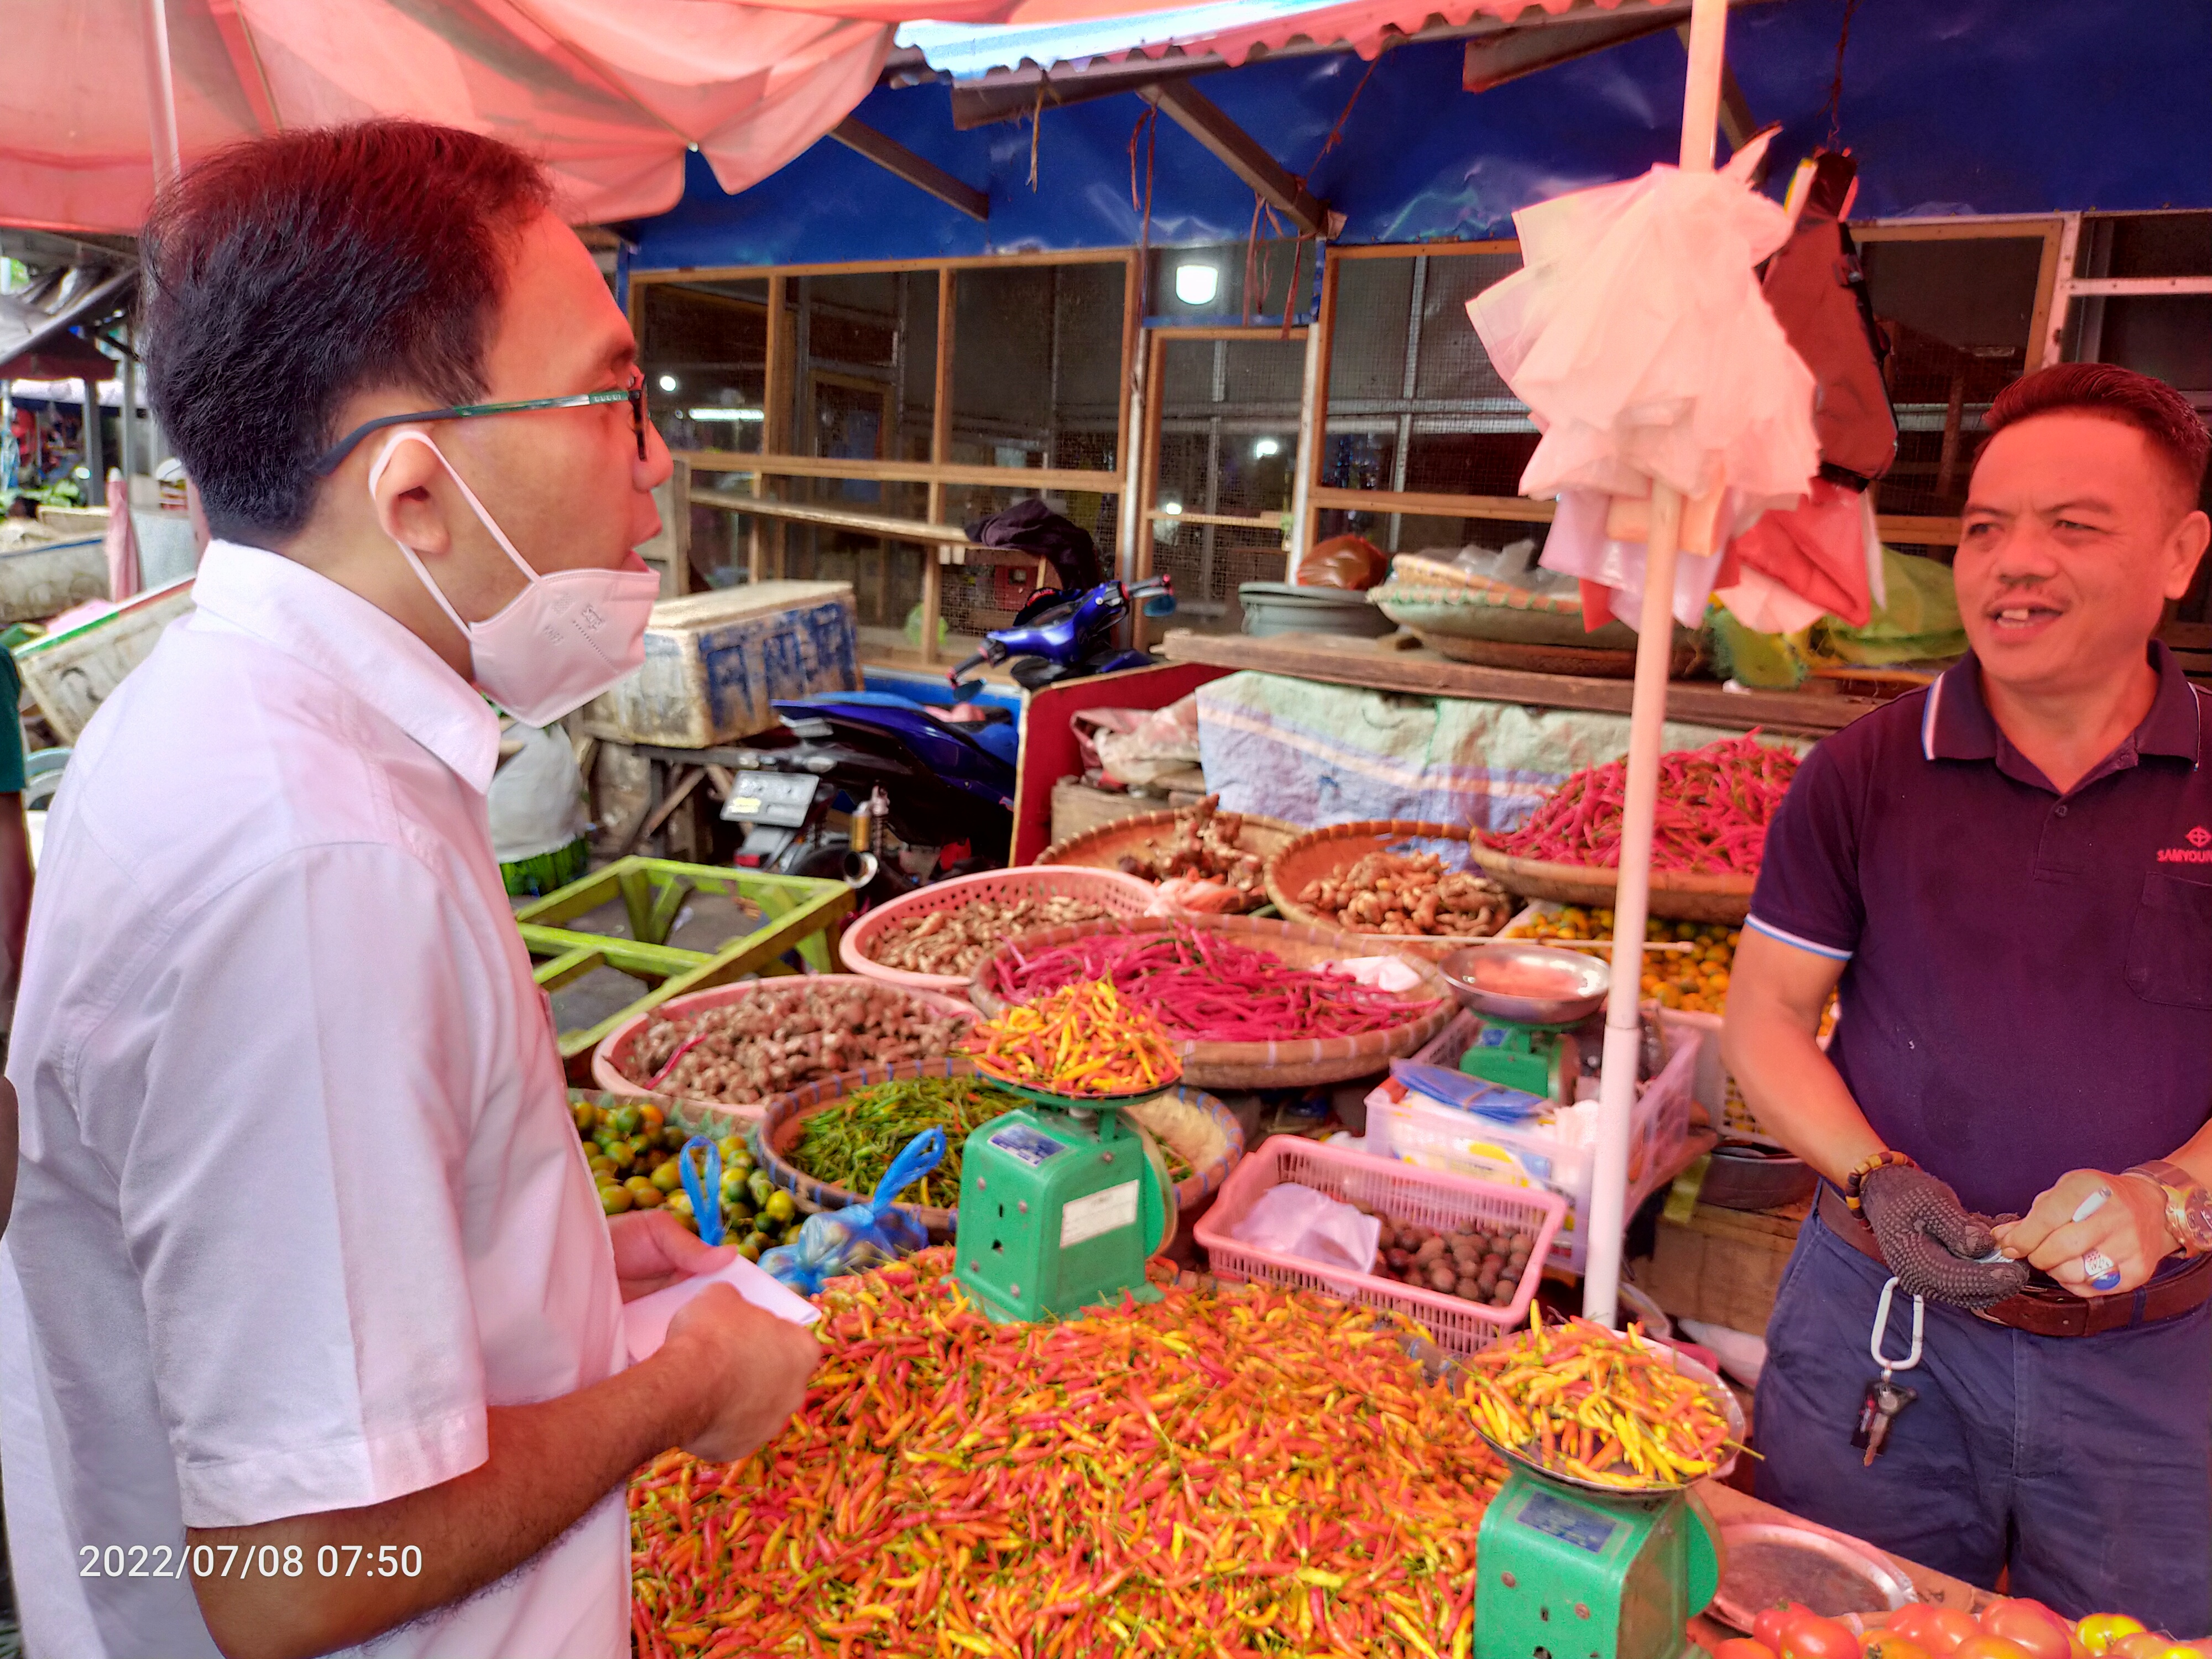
(1378, 666)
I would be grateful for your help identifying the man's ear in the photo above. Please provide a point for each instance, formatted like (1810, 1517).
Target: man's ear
(408, 509)
(2185, 549)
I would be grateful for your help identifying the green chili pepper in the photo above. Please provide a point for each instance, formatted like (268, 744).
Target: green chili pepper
(851, 1144)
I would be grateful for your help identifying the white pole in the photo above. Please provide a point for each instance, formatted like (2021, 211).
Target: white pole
(161, 95)
(1647, 718)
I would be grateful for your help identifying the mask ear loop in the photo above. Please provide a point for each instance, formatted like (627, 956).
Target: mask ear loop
(407, 435)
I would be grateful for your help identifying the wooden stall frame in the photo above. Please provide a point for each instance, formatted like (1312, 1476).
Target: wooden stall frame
(775, 461)
(1898, 529)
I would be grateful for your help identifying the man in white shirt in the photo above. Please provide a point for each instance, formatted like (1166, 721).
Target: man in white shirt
(312, 1324)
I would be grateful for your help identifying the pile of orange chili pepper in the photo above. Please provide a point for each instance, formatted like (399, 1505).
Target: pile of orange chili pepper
(1081, 1039)
(1231, 1472)
(1590, 1402)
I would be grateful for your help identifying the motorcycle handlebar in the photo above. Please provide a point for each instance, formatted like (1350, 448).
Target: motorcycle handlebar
(954, 676)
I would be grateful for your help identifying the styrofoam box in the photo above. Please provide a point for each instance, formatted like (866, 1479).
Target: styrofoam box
(713, 663)
(46, 578)
(71, 674)
(1438, 1138)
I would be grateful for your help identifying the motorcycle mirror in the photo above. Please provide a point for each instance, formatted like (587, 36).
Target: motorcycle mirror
(1160, 604)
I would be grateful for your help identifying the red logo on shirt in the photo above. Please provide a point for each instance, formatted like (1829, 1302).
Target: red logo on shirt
(2195, 853)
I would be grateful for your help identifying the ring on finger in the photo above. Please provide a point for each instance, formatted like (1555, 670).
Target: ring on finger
(2098, 1269)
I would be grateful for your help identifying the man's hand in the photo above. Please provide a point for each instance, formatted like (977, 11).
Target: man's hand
(654, 1249)
(762, 1364)
(1930, 1241)
(2130, 1229)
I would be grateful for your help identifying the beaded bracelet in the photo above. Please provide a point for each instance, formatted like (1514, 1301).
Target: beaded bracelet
(1856, 1179)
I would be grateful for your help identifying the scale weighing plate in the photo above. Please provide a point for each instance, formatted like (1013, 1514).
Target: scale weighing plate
(1061, 1203)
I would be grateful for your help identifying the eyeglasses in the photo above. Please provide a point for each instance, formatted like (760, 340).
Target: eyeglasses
(633, 394)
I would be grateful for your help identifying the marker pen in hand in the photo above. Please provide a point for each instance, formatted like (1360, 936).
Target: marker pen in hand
(2098, 1266)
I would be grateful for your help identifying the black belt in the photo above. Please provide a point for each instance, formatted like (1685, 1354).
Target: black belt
(2042, 1311)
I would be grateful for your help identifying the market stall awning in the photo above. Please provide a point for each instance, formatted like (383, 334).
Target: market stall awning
(1230, 31)
(611, 92)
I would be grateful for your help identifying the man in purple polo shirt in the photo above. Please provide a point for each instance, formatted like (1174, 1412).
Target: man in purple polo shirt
(2008, 877)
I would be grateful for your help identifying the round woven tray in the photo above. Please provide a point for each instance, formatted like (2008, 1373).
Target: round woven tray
(610, 1060)
(1677, 898)
(1116, 893)
(1203, 1131)
(1102, 847)
(1322, 852)
(1294, 1062)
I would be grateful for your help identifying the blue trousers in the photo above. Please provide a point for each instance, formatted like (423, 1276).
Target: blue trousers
(2083, 1464)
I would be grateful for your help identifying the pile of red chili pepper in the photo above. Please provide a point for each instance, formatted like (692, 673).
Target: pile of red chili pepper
(1715, 805)
(1081, 1039)
(1205, 987)
(1590, 1402)
(1246, 1471)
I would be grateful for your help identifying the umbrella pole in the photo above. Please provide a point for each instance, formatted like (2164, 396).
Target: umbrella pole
(1654, 647)
(161, 87)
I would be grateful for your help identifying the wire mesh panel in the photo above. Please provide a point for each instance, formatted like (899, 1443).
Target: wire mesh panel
(703, 347)
(1959, 313)
(1414, 404)
(1228, 414)
(1036, 361)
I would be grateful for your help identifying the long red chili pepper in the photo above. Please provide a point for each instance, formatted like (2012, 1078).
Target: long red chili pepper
(1204, 988)
(1254, 1470)
(1715, 805)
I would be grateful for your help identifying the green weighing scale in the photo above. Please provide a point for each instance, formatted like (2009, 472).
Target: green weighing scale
(1528, 1040)
(1061, 1204)
(1572, 1569)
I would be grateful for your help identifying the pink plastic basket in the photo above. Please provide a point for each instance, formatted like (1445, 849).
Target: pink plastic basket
(1428, 1197)
(1118, 895)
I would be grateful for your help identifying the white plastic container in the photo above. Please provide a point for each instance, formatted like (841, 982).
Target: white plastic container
(71, 674)
(713, 663)
(1536, 1154)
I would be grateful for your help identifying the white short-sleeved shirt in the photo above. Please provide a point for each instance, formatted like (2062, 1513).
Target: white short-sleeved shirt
(300, 1196)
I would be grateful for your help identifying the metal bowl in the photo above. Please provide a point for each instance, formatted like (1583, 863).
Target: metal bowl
(1769, 1561)
(1723, 1396)
(1591, 978)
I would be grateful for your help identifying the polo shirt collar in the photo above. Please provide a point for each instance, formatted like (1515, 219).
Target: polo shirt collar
(1956, 723)
(342, 637)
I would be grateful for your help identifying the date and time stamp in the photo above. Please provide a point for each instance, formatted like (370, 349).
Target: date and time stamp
(249, 1561)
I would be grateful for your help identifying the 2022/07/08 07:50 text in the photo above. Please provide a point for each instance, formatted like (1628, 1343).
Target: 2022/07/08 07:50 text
(234, 1561)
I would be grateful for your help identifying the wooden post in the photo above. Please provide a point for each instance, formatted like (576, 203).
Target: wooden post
(1313, 420)
(765, 542)
(1655, 646)
(1131, 413)
(940, 451)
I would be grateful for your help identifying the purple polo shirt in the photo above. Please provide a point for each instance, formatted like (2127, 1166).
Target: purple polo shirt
(2027, 986)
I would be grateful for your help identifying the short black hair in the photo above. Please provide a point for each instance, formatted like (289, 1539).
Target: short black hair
(284, 275)
(2176, 431)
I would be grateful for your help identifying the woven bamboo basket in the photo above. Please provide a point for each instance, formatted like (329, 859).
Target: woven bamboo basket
(1675, 896)
(1102, 847)
(1112, 891)
(1320, 854)
(1293, 1062)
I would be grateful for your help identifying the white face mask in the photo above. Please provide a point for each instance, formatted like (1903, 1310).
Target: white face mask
(564, 639)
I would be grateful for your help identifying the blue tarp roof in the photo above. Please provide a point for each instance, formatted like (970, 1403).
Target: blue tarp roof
(1953, 106)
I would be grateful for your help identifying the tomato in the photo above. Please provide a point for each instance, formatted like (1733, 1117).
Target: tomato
(1809, 1636)
(2140, 1645)
(1743, 1647)
(1990, 1647)
(2032, 1625)
(1766, 1628)
(1937, 1629)
(1879, 1643)
(2099, 1630)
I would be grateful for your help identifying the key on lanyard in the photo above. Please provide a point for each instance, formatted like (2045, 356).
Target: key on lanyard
(1885, 1399)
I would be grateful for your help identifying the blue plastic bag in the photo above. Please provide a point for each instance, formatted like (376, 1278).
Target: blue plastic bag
(860, 1235)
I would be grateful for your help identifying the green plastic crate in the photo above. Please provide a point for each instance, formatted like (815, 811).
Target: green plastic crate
(799, 914)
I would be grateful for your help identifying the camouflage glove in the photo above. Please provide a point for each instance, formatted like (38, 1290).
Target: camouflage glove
(1930, 1239)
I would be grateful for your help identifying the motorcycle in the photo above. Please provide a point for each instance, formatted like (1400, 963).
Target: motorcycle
(1060, 637)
